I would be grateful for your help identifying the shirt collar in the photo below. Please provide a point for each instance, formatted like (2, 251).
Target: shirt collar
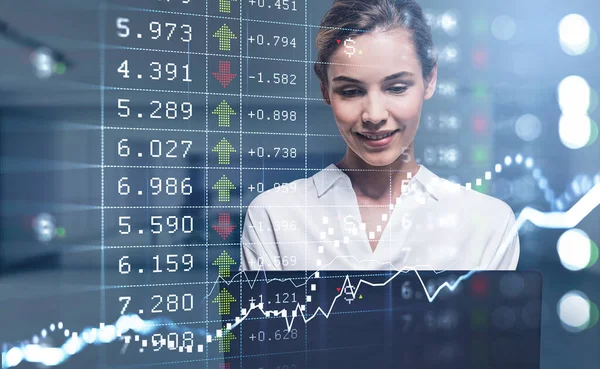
(424, 181)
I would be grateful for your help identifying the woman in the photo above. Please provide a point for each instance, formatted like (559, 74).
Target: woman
(377, 208)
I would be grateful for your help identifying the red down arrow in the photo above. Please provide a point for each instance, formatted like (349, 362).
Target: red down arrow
(224, 75)
(224, 228)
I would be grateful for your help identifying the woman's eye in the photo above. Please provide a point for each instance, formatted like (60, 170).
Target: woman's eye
(399, 89)
(350, 93)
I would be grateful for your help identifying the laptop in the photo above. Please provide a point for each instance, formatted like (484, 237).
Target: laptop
(385, 319)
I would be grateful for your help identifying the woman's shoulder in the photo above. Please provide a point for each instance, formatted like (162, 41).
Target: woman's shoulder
(300, 191)
(284, 194)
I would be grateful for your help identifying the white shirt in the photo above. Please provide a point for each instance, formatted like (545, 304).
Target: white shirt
(314, 224)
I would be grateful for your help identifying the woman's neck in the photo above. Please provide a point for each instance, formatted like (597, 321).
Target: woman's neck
(377, 182)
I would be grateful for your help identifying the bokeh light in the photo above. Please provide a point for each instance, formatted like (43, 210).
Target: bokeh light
(43, 62)
(575, 130)
(447, 89)
(448, 21)
(576, 311)
(574, 34)
(576, 250)
(449, 54)
(518, 158)
(504, 27)
(574, 95)
(44, 227)
(528, 127)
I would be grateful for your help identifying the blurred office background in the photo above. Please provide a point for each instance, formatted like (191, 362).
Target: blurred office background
(517, 97)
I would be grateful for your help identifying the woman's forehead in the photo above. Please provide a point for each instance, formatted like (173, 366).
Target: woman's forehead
(373, 55)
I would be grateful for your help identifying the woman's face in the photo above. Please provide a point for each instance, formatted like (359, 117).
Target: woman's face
(378, 91)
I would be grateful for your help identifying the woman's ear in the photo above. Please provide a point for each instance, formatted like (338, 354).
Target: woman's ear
(430, 83)
(325, 94)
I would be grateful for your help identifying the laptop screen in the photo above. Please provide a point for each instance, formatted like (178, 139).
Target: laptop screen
(351, 319)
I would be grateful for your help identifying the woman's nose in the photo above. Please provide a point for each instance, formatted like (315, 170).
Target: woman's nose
(375, 110)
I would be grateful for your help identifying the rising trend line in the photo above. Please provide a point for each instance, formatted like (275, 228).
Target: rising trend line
(568, 219)
(298, 311)
(51, 356)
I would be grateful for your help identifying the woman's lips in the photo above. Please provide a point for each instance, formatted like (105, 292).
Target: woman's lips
(377, 143)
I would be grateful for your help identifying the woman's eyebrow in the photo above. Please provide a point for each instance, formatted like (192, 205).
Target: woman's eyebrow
(398, 75)
(388, 78)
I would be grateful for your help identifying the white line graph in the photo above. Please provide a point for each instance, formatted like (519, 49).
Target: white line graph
(109, 333)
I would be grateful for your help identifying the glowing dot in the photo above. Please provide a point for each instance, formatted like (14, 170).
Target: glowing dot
(449, 54)
(13, 357)
(575, 249)
(480, 58)
(60, 232)
(519, 159)
(575, 130)
(43, 62)
(480, 90)
(581, 184)
(479, 124)
(498, 168)
(479, 24)
(448, 22)
(44, 226)
(479, 154)
(52, 356)
(585, 182)
(529, 162)
(447, 89)
(60, 68)
(528, 127)
(574, 311)
(507, 160)
(574, 95)
(574, 34)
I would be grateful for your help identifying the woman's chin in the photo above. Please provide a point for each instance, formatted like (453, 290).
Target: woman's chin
(380, 160)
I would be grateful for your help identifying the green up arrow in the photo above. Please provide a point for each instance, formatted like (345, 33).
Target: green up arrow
(224, 149)
(224, 186)
(224, 111)
(224, 261)
(224, 35)
(225, 340)
(225, 6)
(224, 299)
